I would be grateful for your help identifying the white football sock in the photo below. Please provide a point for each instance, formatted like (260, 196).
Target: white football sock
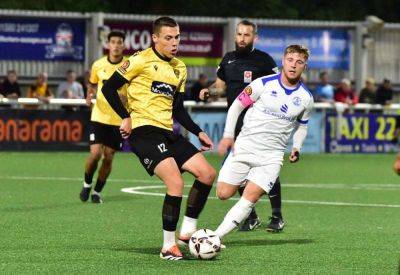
(96, 193)
(87, 185)
(169, 239)
(189, 226)
(234, 217)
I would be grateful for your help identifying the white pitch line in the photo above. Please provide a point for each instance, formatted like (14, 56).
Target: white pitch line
(345, 186)
(135, 190)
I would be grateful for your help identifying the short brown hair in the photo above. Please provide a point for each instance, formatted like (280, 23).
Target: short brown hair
(298, 49)
(246, 22)
(164, 21)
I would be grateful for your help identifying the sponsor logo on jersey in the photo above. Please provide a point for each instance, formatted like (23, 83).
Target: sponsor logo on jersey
(297, 101)
(247, 76)
(284, 108)
(278, 115)
(163, 88)
(124, 66)
(248, 90)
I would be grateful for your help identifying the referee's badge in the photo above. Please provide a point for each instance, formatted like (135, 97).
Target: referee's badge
(247, 76)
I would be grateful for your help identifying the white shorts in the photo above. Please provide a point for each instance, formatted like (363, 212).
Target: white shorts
(237, 172)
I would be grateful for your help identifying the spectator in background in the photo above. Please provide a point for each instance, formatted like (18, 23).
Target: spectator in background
(200, 84)
(344, 93)
(70, 89)
(40, 89)
(10, 87)
(368, 93)
(84, 80)
(384, 94)
(324, 92)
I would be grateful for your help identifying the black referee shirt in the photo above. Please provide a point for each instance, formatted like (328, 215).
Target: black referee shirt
(238, 70)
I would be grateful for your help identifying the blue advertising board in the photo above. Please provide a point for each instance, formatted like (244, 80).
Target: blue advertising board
(42, 39)
(360, 133)
(213, 123)
(313, 141)
(330, 48)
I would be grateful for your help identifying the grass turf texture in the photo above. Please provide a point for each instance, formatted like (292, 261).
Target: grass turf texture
(46, 229)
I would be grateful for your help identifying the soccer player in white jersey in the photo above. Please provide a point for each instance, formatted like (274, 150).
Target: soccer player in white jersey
(280, 104)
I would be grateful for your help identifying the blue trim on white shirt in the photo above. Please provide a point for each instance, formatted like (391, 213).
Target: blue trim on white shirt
(305, 88)
(288, 91)
(265, 79)
(302, 121)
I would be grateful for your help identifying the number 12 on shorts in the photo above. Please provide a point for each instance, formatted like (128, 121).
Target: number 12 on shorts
(162, 148)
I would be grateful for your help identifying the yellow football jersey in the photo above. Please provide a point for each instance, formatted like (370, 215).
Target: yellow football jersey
(102, 69)
(153, 81)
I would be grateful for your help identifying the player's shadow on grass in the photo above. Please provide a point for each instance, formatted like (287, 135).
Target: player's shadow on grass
(257, 242)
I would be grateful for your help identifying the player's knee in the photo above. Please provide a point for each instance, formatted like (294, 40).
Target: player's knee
(207, 175)
(175, 188)
(223, 194)
(95, 155)
(108, 157)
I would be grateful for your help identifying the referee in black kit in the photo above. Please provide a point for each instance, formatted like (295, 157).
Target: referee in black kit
(236, 70)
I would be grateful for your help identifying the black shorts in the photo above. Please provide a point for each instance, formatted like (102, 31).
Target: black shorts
(105, 134)
(153, 144)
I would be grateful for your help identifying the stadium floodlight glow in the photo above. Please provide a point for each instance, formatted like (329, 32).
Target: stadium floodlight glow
(373, 23)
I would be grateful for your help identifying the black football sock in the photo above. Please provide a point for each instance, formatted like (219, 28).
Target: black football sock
(253, 214)
(88, 178)
(99, 185)
(197, 199)
(170, 212)
(275, 199)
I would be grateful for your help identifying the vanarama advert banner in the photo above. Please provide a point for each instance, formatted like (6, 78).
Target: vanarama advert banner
(200, 45)
(44, 130)
(360, 133)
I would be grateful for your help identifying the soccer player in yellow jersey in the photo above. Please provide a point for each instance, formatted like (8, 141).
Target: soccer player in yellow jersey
(104, 135)
(155, 94)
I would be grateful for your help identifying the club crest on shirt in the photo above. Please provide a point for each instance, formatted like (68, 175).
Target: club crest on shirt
(274, 93)
(124, 66)
(297, 101)
(155, 67)
(248, 90)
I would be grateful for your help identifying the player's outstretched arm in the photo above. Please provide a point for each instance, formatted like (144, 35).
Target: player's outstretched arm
(109, 90)
(298, 139)
(182, 116)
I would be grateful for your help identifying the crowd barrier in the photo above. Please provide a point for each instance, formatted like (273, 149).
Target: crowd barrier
(63, 124)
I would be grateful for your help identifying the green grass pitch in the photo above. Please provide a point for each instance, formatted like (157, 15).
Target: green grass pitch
(342, 214)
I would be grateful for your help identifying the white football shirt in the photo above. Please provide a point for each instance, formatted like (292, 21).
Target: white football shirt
(275, 112)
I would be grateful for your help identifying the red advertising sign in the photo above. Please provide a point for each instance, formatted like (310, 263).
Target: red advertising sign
(196, 40)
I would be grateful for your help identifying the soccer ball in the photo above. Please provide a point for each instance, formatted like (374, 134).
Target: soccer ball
(204, 244)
